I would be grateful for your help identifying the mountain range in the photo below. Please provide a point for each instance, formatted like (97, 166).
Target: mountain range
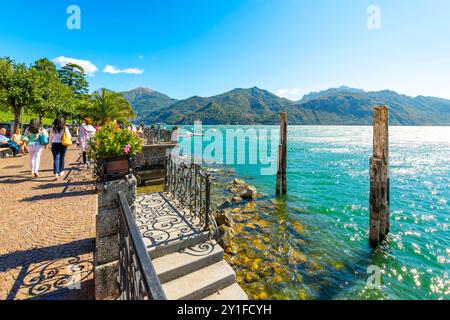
(335, 106)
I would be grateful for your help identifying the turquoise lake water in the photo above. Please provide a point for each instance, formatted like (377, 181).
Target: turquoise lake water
(328, 181)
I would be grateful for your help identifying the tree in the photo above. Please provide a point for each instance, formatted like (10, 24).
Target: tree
(82, 108)
(46, 65)
(53, 98)
(109, 106)
(74, 76)
(17, 83)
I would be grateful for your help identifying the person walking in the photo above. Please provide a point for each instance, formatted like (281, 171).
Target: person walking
(59, 136)
(36, 139)
(86, 132)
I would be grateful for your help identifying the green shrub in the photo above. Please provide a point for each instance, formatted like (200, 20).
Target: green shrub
(111, 141)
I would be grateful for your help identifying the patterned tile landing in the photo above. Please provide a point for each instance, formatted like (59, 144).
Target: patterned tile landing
(162, 222)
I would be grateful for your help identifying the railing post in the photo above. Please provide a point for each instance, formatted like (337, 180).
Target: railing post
(379, 178)
(167, 160)
(207, 202)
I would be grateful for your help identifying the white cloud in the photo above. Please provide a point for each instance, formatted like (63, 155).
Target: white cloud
(292, 93)
(87, 65)
(114, 70)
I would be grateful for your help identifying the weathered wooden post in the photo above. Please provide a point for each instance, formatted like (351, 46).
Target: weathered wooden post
(282, 156)
(379, 177)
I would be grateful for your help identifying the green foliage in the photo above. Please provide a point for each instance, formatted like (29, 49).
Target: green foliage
(111, 141)
(8, 116)
(53, 98)
(47, 66)
(74, 76)
(17, 87)
(37, 91)
(109, 106)
(82, 108)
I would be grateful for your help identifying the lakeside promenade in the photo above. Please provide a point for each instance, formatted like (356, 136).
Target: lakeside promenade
(47, 230)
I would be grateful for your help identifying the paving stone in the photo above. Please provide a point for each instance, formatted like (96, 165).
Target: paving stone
(47, 236)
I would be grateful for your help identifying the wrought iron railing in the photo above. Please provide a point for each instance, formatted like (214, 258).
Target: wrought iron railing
(137, 276)
(190, 185)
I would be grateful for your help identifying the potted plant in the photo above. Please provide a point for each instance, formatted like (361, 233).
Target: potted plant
(112, 149)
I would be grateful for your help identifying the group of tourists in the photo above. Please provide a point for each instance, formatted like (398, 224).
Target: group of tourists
(57, 138)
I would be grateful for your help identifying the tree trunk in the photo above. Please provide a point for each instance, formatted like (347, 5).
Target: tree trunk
(41, 120)
(17, 114)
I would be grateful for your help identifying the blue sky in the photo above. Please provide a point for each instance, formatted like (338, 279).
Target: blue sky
(206, 47)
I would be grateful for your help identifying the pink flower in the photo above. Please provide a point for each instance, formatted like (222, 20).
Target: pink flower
(127, 149)
(98, 128)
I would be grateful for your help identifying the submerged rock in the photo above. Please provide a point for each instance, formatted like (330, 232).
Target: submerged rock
(236, 190)
(226, 235)
(237, 199)
(226, 204)
(250, 207)
(223, 217)
(297, 257)
(242, 190)
(250, 192)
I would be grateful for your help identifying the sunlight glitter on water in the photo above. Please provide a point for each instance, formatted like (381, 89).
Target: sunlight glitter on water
(328, 178)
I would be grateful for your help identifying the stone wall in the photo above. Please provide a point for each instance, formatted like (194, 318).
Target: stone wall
(155, 155)
(107, 238)
(152, 135)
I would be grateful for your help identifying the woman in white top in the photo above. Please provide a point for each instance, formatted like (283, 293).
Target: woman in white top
(58, 149)
(86, 132)
(35, 147)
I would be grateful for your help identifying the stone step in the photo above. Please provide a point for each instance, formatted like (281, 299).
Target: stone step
(151, 174)
(233, 292)
(153, 182)
(202, 283)
(187, 241)
(181, 263)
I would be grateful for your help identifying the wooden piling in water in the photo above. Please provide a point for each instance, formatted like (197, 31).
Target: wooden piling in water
(278, 190)
(379, 178)
(282, 156)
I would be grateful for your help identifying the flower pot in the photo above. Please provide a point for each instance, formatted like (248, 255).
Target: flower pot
(115, 168)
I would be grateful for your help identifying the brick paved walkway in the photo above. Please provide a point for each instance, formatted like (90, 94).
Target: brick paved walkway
(47, 230)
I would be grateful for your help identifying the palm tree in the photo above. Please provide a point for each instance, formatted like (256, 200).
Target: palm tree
(109, 106)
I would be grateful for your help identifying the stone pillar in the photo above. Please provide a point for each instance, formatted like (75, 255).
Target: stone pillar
(107, 238)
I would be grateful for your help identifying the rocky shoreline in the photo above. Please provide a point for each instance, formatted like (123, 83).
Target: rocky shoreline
(242, 193)
(260, 240)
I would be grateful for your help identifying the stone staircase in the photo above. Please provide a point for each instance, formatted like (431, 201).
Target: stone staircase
(189, 265)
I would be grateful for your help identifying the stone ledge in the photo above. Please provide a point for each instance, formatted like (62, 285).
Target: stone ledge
(107, 194)
(106, 281)
(107, 222)
(107, 249)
